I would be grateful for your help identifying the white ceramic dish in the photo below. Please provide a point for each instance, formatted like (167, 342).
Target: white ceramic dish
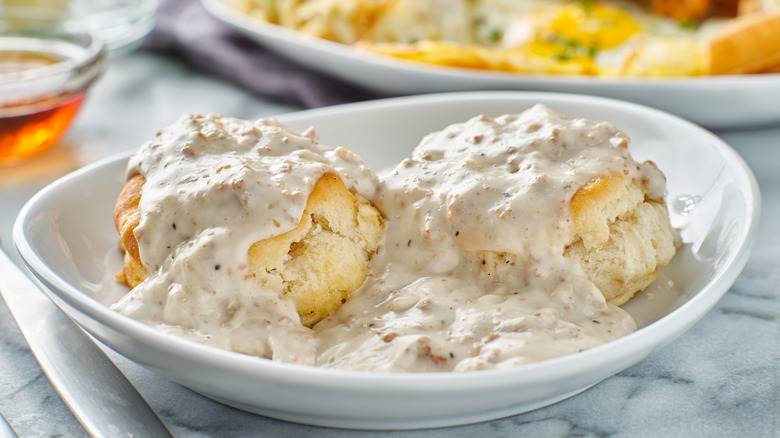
(66, 236)
(716, 102)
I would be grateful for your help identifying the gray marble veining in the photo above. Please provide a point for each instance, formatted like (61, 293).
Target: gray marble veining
(718, 379)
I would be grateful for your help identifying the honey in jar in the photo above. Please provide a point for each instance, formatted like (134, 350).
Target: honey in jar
(47, 63)
(29, 125)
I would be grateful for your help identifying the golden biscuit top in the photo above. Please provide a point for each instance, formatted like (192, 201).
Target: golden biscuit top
(504, 184)
(254, 176)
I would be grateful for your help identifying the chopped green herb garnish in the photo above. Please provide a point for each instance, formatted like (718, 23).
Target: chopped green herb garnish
(689, 23)
(586, 5)
(495, 35)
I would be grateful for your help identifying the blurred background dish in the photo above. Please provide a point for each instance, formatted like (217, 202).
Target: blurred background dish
(719, 101)
(47, 63)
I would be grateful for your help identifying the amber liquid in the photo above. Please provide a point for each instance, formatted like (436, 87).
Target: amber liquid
(22, 133)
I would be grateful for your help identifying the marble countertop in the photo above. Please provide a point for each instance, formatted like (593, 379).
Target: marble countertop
(719, 379)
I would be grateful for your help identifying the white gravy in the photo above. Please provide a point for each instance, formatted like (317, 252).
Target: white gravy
(470, 275)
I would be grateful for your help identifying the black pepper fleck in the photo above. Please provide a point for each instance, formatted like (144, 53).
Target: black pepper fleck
(216, 268)
(409, 243)
(174, 225)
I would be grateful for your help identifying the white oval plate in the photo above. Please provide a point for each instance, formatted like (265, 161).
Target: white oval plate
(66, 236)
(714, 101)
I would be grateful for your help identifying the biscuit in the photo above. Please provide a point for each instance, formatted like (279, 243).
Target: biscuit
(325, 258)
(318, 264)
(621, 238)
(126, 219)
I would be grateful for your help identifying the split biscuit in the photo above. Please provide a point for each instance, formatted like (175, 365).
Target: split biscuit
(325, 258)
(622, 238)
(318, 264)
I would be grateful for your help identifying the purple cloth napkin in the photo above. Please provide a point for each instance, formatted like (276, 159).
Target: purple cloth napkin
(186, 29)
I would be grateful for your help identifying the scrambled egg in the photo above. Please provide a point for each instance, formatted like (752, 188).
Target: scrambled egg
(606, 38)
